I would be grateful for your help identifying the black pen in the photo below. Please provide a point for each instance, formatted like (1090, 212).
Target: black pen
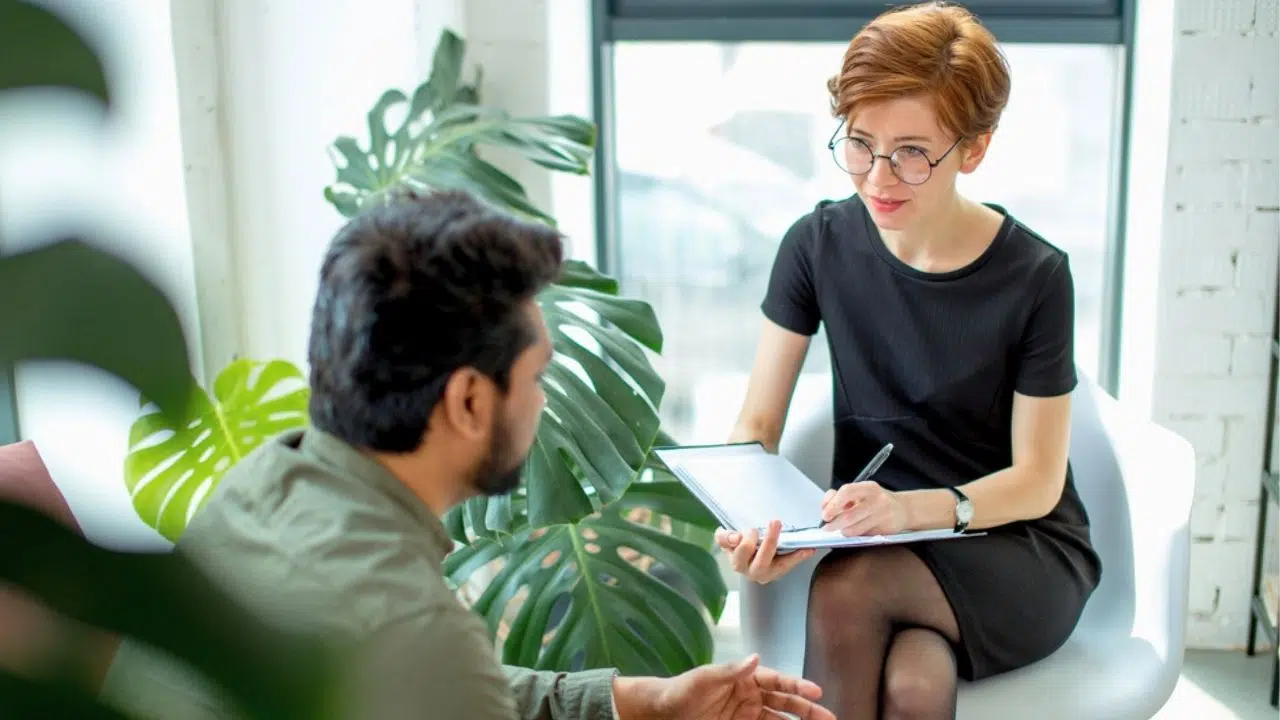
(869, 470)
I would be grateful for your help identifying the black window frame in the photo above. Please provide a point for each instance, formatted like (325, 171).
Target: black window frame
(1069, 22)
(1018, 21)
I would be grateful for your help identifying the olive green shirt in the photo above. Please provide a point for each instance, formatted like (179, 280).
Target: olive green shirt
(308, 530)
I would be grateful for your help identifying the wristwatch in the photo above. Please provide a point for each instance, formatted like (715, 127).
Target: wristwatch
(964, 510)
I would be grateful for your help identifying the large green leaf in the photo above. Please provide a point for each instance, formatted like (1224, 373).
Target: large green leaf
(172, 468)
(435, 144)
(601, 416)
(40, 50)
(592, 594)
(82, 304)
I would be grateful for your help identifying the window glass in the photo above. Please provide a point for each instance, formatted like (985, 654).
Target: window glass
(720, 147)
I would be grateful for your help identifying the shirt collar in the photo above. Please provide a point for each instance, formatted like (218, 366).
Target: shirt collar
(336, 452)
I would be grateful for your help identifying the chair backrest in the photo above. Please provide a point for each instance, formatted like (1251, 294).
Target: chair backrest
(808, 436)
(28, 630)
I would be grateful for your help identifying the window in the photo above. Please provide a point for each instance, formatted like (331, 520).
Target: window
(719, 147)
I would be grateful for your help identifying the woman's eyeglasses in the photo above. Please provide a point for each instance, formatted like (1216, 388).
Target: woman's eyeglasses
(909, 163)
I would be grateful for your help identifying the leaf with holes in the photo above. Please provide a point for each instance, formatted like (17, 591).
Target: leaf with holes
(601, 416)
(605, 592)
(658, 488)
(433, 146)
(171, 469)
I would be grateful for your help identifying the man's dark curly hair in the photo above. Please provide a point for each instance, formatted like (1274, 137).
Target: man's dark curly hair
(411, 291)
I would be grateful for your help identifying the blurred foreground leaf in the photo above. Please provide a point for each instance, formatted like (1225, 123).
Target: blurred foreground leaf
(21, 698)
(165, 601)
(70, 301)
(42, 51)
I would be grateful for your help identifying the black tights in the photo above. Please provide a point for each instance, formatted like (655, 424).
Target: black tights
(879, 616)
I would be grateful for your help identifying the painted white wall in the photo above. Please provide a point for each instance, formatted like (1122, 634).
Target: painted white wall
(1144, 221)
(261, 102)
(536, 60)
(296, 74)
(568, 48)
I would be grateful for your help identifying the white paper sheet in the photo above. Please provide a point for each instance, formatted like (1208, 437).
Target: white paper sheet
(825, 538)
(746, 487)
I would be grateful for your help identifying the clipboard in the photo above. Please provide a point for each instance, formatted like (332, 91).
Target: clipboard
(746, 487)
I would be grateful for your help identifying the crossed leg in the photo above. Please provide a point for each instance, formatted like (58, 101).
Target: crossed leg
(880, 630)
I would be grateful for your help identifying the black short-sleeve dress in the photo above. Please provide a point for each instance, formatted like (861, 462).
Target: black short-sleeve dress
(930, 362)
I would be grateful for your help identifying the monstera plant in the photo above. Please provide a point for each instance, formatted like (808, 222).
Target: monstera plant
(172, 466)
(599, 558)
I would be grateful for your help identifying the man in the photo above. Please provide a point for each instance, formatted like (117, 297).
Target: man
(427, 349)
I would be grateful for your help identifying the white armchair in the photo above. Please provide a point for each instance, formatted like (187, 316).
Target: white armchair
(1137, 480)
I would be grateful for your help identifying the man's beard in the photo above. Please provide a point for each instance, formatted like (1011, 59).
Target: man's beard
(499, 474)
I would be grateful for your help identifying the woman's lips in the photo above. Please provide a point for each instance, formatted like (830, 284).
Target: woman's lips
(886, 206)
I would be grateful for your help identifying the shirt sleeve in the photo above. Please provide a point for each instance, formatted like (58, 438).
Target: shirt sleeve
(443, 665)
(545, 695)
(1047, 361)
(791, 298)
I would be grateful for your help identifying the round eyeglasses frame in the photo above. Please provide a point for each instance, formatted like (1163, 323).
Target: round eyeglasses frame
(894, 164)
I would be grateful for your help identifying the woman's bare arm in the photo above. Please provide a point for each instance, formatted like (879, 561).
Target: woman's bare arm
(779, 356)
(1026, 490)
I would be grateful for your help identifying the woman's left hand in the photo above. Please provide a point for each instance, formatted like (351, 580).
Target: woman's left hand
(864, 508)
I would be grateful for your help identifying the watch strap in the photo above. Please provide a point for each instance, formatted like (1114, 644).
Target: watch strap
(962, 500)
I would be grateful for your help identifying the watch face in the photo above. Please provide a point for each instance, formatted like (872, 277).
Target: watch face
(964, 511)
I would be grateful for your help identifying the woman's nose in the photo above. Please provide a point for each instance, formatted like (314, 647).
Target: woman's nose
(881, 173)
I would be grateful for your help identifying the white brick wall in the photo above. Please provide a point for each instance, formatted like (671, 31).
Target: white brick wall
(1217, 296)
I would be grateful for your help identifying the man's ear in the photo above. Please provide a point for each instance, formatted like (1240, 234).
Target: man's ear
(974, 150)
(469, 403)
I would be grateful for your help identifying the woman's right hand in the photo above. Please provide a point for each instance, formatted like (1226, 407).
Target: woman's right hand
(756, 557)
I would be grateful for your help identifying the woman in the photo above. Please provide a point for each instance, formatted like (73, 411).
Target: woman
(950, 327)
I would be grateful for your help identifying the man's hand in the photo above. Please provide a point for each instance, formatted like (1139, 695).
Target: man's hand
(740, 691)
(755, 557)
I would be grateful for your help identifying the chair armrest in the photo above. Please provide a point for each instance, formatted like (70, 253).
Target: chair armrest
(774, 617)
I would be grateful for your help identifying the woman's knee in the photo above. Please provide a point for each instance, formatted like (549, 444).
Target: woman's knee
(843, 588)
(910, 694)
(919, 677)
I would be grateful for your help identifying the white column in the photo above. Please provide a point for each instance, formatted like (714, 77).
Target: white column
(294, 75)
(535, 55)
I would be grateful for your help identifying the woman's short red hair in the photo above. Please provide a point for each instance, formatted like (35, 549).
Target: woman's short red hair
(934, 49)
